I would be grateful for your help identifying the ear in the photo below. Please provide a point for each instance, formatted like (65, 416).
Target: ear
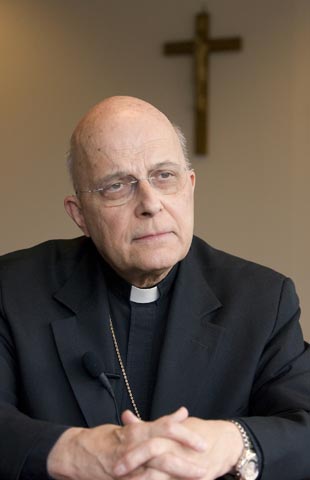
(74, 210)
(193, 178)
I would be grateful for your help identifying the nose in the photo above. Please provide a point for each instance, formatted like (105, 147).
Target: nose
(148, 199)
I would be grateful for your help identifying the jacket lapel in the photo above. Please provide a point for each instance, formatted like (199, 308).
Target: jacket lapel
(191, 342)
(188, 352)
(86, 329)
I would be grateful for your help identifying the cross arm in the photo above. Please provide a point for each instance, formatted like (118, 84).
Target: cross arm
(224, 44)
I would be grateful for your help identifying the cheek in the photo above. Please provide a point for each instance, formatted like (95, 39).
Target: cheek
(182, 210)
(107, 228)
(95, 223)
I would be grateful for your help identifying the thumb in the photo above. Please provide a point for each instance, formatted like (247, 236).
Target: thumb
(129, 417)
(179, 415)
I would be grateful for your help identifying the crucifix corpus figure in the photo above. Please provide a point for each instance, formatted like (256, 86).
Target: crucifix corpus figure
(201, 47)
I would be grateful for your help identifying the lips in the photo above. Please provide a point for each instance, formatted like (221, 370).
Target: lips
(151, 236)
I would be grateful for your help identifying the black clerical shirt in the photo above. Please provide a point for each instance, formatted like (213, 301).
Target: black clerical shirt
(139, 330)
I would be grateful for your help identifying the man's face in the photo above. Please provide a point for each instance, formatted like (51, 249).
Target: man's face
(145, 237)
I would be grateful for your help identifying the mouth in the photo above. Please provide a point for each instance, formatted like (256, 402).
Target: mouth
(152, 236)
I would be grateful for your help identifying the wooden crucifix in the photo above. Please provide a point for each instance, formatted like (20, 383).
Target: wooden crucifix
(201, 47)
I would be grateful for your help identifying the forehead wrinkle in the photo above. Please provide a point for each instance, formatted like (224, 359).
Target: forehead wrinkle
(132, 149)
(115, 155)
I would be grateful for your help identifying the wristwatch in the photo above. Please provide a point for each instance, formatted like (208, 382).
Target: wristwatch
(247, 465)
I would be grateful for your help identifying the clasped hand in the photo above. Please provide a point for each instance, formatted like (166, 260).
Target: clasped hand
(172, 447)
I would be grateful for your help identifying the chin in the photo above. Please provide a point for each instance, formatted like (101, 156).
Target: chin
(161, 262)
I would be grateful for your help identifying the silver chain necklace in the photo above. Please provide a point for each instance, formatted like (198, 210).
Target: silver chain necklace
(123, 370)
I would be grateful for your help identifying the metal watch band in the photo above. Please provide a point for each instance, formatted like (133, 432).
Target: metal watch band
(247, 444)
(248, 459)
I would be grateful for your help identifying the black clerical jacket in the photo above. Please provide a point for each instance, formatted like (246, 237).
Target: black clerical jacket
(233, 348)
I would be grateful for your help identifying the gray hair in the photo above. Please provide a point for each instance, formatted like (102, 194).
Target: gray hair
(70, 157)
(183, 143)
(70, 161)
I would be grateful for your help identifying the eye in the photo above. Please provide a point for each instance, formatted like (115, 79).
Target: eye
(164, 175)
(114, 187)
(121, 186)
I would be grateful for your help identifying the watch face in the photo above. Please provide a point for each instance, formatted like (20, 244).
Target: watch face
(250, 470)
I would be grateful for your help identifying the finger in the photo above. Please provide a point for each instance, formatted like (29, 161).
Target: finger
(177, 466)
(140, 455)
(146, 451)
(170, 426)
(167, 427)
(179, 415)
(148, 474)
(171, 465)
(129, 417)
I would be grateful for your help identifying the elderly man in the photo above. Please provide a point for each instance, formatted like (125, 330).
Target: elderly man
(138, 351)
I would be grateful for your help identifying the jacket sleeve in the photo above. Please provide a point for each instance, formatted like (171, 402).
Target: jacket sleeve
(20, 434)
(281, 391)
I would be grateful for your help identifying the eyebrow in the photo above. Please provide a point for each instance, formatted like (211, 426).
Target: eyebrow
(123, 173)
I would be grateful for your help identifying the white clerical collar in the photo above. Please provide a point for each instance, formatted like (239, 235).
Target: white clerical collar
(144, 295)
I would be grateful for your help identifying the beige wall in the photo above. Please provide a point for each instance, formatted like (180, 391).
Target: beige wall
(58, 57)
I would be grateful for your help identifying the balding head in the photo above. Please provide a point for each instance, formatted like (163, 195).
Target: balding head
(134, 190)
(119, 123)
